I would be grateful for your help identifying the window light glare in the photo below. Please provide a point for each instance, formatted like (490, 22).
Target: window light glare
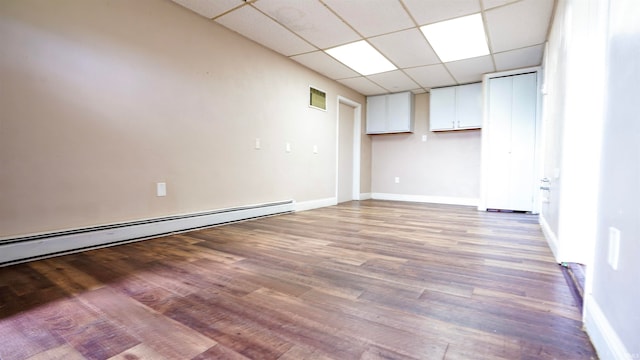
(457, 39)
(361, 57)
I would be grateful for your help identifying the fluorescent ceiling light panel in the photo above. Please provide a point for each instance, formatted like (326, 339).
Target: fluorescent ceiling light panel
(361, 57)
(457, 39)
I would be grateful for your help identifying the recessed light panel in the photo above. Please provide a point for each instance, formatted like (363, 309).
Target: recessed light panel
(361, 57)
(457, 39)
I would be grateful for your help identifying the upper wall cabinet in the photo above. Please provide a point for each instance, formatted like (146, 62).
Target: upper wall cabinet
(456, 108)
(391, 113)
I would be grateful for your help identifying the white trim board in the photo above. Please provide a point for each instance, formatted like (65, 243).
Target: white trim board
(315, 204)
(552, 239)
(426, 199)
(603, 337)
(27, 248)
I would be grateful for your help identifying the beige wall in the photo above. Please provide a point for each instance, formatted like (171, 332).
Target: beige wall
(100, 100)
(446, 165)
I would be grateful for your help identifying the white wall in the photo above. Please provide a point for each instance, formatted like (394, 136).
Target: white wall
(612, 313)
(99, 100)
(572, 103)
(593, 144)
(445, 168)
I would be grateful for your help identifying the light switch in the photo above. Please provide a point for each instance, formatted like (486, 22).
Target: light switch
(315, 149)
(424, 138)
(397, 180)
(257, 146)
(614, 248)
(288, 147)
(161, 189)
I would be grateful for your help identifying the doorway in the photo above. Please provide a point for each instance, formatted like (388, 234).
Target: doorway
(348, 131)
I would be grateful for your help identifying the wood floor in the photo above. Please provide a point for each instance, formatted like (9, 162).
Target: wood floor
(362, 280)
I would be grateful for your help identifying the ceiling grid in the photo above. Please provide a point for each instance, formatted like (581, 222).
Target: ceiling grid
(302, 30)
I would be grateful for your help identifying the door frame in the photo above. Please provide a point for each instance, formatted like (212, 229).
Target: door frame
(357, 129)
(486, 129)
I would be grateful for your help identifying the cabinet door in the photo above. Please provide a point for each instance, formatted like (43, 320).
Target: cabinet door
(376, 114)
(442, 109)
(469, 106)
(399, 112)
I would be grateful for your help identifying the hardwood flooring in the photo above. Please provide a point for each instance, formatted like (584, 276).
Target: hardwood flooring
(362, 280)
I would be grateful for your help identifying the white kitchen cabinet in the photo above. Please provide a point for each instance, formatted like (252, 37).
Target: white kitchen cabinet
(392, 113)
(456, 108)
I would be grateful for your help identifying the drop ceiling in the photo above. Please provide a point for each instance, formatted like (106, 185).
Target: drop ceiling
(302, 29)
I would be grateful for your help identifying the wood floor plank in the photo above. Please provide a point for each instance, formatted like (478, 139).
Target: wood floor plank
(140, 351)
(62, 352)
(161, 334)
(361, 280)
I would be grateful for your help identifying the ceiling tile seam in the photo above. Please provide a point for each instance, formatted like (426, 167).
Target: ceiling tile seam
(485, 23)
(382, 87)
(251, 3)
(231, 10)
(500, 6)
(520, 48)
(450, 73)
(412, 79)
(417, 26)
(406, 9)
(551, 20)
(362, 37)
(358, 32)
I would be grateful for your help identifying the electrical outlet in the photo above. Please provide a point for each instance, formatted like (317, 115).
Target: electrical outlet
(396, 180)
(424, 138)
(614, 247)
(161, 189)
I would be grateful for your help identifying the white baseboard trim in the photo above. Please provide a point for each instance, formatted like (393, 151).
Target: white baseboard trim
(426, 199)
(603, 337)
(27, 248)
(315, 204)
(365, 196)
(552, 239)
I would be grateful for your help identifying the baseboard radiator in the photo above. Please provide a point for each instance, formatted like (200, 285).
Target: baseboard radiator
(28, 248)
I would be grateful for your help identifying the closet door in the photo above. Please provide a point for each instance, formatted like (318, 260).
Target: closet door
(523, 142)
(511, 142)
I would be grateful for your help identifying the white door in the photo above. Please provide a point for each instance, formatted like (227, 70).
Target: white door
(511, 142)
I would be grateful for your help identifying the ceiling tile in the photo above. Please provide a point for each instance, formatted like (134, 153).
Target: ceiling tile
(431, 11)
(394, 81)
(325, 65)
(489, 4)
(406, 48)
(253, 24)
(311, 20)
(431, 76)
(363, 85)
(210, 8)
(519, 24)
(372, 17)
(470, 70)
(531, 56)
